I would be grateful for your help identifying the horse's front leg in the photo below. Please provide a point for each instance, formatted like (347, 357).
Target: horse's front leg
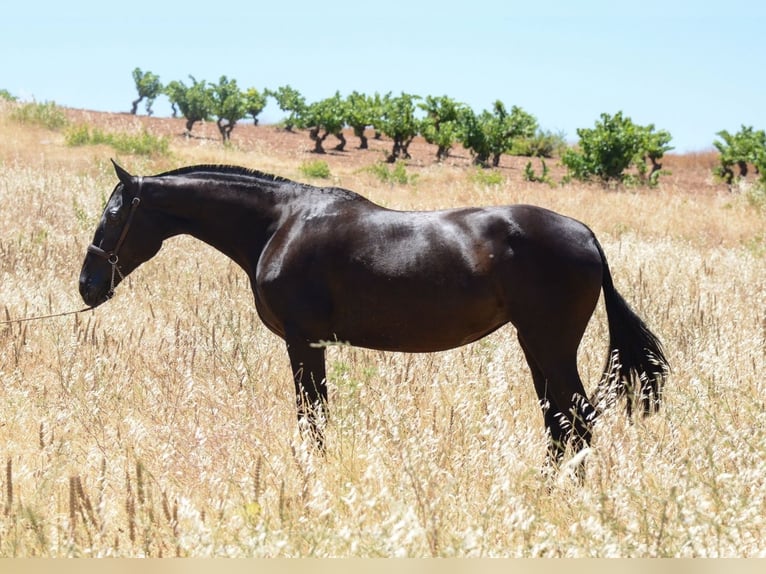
(308, 367)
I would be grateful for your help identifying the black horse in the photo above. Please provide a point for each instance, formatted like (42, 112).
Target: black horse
(327, 265)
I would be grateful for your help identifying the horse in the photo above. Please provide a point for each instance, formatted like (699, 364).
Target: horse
(326, 264)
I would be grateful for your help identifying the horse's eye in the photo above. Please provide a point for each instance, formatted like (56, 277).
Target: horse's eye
(113, 215)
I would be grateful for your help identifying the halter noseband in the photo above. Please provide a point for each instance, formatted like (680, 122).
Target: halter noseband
(111, 256)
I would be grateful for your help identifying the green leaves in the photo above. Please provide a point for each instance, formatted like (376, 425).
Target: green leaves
(195, 102)
(7, 96)
(441, 125)
(148, 86)
(362, 111)
(614, 152)
(289, 100)
(746, 147)
(225, 101)
(255, 102)
(228, 105)
(325, 117)
(398, 122)
(490, 134)
(613, 146)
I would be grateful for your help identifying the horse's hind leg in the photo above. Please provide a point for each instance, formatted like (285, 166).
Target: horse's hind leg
(568, 414)
(558, 432)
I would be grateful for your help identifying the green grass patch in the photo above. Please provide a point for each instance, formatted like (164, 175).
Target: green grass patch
(486, 177)
(396, 174)
(531, 176)
(143, 143)
(317, 169)
(47, 115)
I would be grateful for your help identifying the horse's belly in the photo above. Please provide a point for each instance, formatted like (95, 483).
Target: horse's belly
(435, 328)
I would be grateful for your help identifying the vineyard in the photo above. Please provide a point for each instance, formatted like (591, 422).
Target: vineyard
(163, 424)
(616, 152)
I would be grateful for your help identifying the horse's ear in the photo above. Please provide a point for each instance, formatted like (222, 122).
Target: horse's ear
(123, 175)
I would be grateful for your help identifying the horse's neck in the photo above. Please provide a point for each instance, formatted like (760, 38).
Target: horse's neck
(233, 220)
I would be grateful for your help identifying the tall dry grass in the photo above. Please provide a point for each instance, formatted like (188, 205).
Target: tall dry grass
(162, 424)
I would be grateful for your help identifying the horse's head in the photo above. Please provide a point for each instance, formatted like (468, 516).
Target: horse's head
(124, 239)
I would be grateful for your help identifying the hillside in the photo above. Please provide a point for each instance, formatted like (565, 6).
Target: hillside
(688, 173)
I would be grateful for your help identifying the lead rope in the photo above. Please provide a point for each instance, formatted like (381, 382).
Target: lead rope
(40, 317)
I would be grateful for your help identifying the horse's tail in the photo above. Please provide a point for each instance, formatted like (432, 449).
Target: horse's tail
(635, 354)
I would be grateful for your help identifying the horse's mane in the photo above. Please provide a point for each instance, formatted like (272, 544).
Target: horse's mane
(225, 170)
(237, 171)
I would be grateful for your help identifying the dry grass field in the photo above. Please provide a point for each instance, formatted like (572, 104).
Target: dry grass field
(162, 423)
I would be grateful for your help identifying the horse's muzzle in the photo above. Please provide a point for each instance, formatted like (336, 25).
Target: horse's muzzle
(94, 292)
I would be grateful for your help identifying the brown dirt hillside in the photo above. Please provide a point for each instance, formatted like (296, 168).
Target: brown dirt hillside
(690, 173)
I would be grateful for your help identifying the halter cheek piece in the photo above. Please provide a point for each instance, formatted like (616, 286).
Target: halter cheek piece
(112, 256)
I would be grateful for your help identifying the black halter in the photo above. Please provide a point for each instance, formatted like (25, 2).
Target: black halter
(112, 256)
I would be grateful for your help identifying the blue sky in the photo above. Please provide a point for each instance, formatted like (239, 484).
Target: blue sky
(690, 67)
